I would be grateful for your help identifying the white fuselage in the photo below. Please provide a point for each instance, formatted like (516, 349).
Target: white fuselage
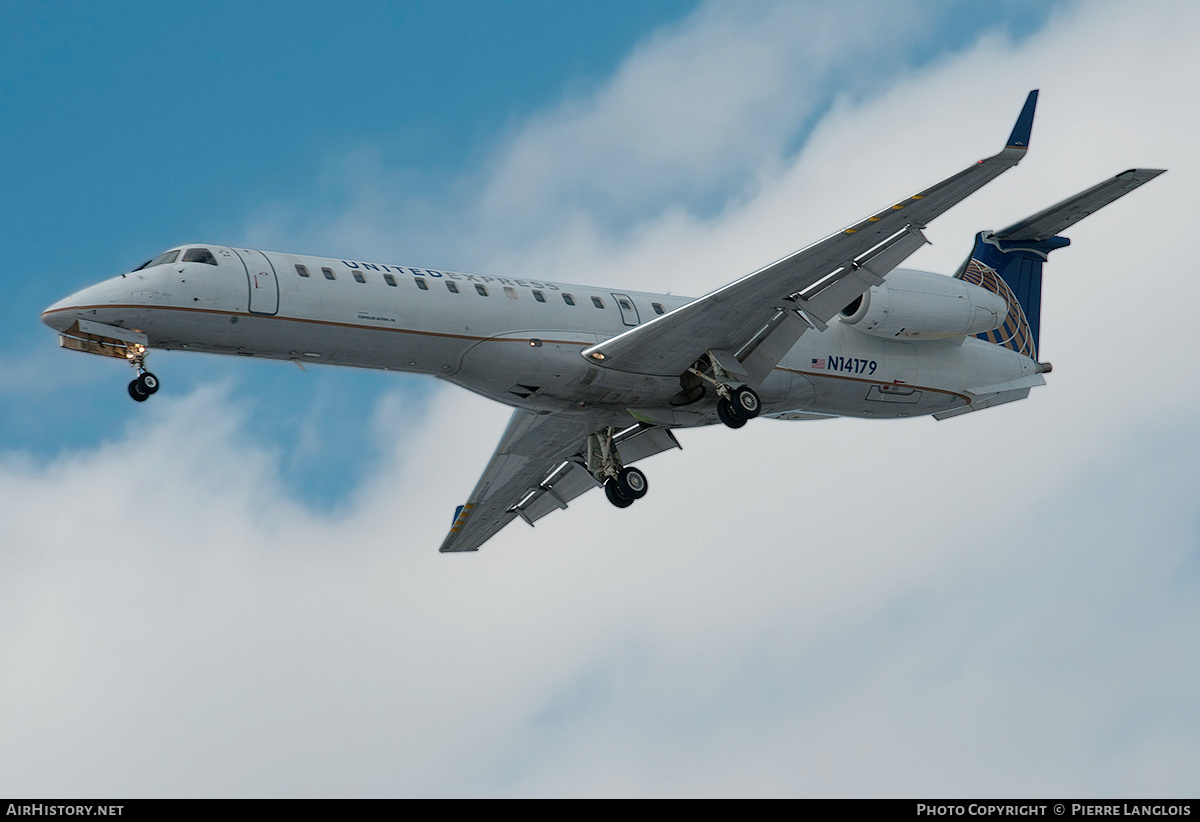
(517, 341)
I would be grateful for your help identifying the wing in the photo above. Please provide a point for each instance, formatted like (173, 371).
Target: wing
(758, 318)
(539, 466)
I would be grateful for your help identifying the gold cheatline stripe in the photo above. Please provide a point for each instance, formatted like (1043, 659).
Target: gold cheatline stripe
(333, 323)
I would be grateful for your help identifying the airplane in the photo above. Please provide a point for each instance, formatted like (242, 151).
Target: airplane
(601, 378)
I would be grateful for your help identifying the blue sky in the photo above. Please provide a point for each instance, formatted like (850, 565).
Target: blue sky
(148, 126)
(234, 589)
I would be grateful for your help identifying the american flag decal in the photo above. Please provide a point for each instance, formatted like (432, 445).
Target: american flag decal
(818, 363)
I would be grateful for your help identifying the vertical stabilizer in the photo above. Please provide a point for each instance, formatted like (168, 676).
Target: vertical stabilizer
(1012, 269)
(1009, 262)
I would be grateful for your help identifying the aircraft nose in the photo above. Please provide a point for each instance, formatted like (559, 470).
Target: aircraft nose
(69, 309)
(60, 315)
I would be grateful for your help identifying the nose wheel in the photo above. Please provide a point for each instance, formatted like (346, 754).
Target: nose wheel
(142, 387)
(145, 383)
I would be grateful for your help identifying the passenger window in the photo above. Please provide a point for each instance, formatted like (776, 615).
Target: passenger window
(390, 280)
(328, 272)
(451, 287)
(568, 299)
(539, 296)
(481, 290)
(625, 304)
(199, 255)
(421, 284)
(658, 309)
(359, 276)
(599, 303)
(509, 292)
(301, 270)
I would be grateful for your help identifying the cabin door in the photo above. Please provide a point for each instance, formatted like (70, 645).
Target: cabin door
(264, 286)
(629, 312)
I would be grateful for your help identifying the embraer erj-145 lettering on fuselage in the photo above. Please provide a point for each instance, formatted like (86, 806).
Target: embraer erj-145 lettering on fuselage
(602, 378)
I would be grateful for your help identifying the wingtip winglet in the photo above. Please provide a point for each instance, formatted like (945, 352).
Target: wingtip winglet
(1024, 127)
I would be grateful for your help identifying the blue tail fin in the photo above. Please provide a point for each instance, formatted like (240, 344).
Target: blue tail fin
(1009, 262)
(1012, 269)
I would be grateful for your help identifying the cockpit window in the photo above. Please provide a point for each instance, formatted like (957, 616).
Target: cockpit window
(199, 255)
(161, 259)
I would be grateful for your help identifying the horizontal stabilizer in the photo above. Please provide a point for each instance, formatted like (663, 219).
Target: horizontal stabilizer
(1045, 224)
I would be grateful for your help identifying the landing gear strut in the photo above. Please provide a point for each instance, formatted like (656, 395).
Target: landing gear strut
(623, 486)
(146, 383)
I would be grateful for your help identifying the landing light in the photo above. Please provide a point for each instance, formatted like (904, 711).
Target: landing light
(597, 355)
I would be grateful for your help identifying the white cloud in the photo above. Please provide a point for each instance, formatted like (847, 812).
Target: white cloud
(696, 106)
(1002, 604)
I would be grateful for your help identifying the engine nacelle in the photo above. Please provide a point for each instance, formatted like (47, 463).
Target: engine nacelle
(918, 305)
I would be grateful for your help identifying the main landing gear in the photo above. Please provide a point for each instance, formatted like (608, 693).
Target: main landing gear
(622, 485)
(737, 404)
(146, 383)
(628, 486)
(740, 406)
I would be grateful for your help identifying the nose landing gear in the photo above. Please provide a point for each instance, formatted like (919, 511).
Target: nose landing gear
(142, 387)
(146, 383)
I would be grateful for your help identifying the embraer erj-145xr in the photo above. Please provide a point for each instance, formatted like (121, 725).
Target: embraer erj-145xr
(601, 378)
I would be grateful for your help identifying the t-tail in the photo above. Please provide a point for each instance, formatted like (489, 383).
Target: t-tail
(1009, 262)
